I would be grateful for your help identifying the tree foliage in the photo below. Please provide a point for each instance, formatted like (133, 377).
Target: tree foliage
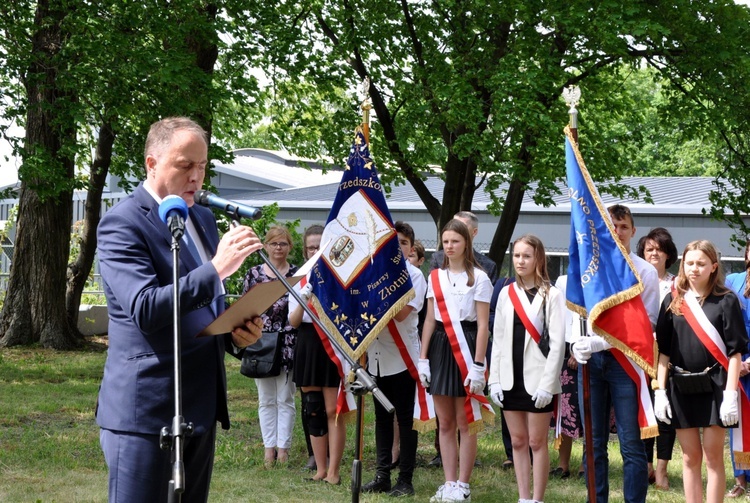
(473, 88)
(108, 70)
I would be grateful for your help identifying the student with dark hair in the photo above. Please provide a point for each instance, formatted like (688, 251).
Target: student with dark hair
(319, 379)
(391, 372)
(658, 249)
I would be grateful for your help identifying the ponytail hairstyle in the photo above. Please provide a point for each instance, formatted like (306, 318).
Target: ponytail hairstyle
(470, 263)
(715, 282)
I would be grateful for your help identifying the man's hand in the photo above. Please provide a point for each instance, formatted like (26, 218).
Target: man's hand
(233, 249)
(242, 337)
(586, 346)
(306, 292)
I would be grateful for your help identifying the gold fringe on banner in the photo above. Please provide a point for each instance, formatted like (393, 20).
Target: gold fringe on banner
(424, 426)
(650, 431)
(488, 418)
(379, 326)
(619, 297)
(742, 460)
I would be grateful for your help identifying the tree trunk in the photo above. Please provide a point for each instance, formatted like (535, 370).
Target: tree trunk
(458, 192)
(80, 268)
(507, 223)
(206, 51)
(34, 309)
(512, 207)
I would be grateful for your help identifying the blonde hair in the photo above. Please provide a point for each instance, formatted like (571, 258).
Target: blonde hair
(276, 231)
(541, 275)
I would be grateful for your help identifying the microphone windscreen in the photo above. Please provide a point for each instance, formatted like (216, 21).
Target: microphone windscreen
(172, 203)
(201, 197)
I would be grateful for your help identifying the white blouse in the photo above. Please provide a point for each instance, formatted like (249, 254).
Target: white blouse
(463, 295)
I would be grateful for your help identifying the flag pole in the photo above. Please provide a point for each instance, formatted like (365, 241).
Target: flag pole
(572, 95)
(356, 485)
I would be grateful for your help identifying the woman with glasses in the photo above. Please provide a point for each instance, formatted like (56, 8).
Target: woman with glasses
(276, 408)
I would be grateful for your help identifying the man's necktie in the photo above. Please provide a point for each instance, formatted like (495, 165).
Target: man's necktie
(192, 248)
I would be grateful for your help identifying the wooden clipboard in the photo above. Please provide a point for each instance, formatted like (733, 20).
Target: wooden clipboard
(256, 301)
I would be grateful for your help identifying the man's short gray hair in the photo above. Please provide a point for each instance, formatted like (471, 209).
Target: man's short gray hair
(160, 134)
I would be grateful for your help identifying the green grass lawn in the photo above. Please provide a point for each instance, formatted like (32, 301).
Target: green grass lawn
(49, 445)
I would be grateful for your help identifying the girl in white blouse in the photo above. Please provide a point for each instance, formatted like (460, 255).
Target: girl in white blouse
(452, 358)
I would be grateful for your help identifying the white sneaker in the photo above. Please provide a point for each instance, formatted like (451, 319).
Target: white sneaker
(458, 494)
(443, 493)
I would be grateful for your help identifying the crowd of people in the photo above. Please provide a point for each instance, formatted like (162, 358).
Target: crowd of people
(467, 336)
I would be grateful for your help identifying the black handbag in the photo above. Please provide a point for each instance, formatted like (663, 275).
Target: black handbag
(544, 336)
(263, 359)
(692, 383)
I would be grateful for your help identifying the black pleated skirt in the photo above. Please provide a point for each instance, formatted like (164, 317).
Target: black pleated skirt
(312, 366)
(446, 376)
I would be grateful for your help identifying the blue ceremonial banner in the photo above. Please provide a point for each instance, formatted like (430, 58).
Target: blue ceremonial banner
(361, 280)
(602, 282)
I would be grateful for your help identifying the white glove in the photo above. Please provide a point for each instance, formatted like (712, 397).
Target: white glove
(475, 379)
(423, 368)
(496, 394)
(541, 398)
(728, 410)
(585, 346)
(662, 409)
(306, 292)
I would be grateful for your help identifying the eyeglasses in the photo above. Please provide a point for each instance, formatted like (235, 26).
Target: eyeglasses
(281, 244)
(312, 249)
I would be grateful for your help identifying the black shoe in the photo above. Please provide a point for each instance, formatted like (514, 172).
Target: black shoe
(402, 489)
(559, 473)
(437, 462)
(379, 485)
(311, 465)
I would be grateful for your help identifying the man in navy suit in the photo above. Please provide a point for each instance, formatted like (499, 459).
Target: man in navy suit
(136, 398)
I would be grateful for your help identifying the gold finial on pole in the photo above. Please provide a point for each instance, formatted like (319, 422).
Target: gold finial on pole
(366, 106)
(572, 96)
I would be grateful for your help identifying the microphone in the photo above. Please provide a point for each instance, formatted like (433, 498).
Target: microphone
(173, 211)
(235, 210)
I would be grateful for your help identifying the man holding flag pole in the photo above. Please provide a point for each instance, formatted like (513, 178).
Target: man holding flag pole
(608, 286)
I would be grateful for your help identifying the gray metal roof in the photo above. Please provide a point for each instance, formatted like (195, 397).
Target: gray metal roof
(671, 195)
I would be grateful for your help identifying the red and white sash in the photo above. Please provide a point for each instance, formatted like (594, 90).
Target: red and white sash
(533, 329)
(523, 309)
(424, 407)
(476, 406)
(711, 339)
(345, 403)
(646, 418)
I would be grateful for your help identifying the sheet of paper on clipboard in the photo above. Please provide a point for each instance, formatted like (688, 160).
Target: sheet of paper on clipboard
(257, 300)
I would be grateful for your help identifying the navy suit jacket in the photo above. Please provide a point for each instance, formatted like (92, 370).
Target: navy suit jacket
(135, 257)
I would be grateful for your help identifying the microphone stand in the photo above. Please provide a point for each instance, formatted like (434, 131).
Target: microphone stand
(173, 439)
(364, 381)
